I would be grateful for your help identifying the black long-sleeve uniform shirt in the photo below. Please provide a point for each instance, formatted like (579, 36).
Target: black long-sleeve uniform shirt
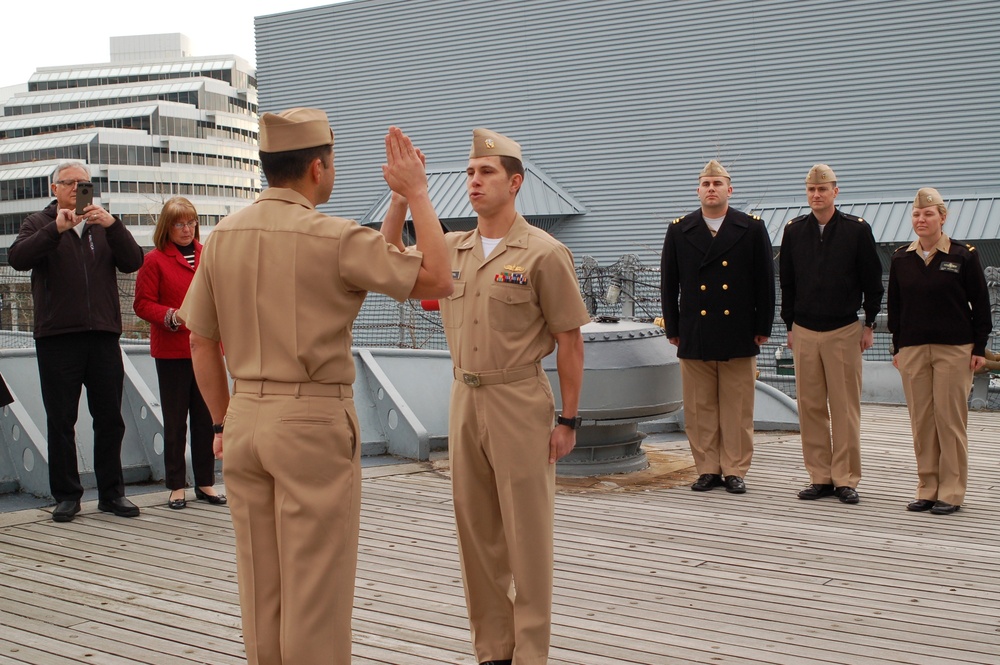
(824, 277)
(945, 302)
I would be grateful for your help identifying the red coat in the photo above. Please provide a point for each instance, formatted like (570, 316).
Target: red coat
(161, 284)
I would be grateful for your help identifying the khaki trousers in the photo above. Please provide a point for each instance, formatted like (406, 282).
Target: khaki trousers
(828, 392)
(937, 380)
(504, 494)
(718, 413)
(293, 476)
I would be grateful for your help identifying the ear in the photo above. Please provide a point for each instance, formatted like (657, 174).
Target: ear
(516, 181)
(316, 170)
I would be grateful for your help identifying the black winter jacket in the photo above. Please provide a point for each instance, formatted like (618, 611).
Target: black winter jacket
(823, 278)
(73, 280)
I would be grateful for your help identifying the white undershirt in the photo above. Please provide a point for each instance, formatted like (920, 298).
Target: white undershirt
(822, 227)
(489, 244)
(714, 223)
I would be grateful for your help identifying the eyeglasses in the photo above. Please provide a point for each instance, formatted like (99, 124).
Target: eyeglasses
(72, 183)
(189, 225)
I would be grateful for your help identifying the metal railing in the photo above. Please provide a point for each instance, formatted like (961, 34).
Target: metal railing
(626, 289)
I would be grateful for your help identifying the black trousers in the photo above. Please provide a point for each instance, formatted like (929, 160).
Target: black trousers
(65, 364)
(179, 399)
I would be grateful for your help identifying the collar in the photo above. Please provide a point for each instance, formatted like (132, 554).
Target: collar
(283, 194)
(517, 235)
(943, 245)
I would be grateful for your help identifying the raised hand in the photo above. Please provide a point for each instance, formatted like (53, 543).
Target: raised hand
(404, 167)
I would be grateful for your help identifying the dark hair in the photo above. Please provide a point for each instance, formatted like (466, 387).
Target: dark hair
(512, 165)
(281, 168)
(177, 209)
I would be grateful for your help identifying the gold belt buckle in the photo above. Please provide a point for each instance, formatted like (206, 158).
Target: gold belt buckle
(471, 379)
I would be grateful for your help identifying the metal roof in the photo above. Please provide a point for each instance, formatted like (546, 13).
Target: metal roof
(969, 218)
(15, 145)
(540, 199)
(107, 71)
(27, 172)
(22, 122)
(84, 94)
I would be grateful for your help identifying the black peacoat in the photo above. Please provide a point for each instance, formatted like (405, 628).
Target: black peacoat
(717, 293)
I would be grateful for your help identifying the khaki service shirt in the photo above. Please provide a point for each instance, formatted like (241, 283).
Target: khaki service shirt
(505, 309)
(280, 284)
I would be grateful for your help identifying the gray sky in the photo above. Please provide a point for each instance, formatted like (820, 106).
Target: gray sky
(46, 33)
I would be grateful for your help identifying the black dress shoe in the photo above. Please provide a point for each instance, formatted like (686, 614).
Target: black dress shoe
(735, 485)
(942, 508)
(177, 504)
(707, 481)
(920, 505)
(847, 494)
(121, 507)
(815, 491)
(497, 662)
(65, 511)
(214, 499)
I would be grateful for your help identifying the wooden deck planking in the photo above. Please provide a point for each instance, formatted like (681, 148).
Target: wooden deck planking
(644, 574)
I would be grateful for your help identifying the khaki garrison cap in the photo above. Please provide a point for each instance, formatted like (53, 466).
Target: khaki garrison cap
(712, 169)
(927, 197)
(820, 175)
(294, 129)
(486, 143)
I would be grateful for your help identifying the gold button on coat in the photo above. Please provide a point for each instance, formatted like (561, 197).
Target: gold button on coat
(703, 312)
(726, 312)
(725, 287)
(703, 287)
(725, 263)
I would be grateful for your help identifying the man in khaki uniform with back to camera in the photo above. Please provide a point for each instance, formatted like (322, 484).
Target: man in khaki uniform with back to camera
(516, 298)
(280, 285)
(828, 261)
(717, 286)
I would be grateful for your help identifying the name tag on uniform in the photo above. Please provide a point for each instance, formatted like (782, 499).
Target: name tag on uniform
(948, 266)
(455, 274)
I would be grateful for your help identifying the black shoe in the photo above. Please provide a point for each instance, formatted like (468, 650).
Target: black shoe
(815, 491)
(177, 504)
(214, 499)
(121, 507)
(942, 508)
(707, 481)
(65, 511)
(920, 505)
(497, 662)
(847, 494)
(735, 485)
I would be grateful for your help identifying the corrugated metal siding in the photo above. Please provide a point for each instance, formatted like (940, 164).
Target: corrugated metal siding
(622, 101)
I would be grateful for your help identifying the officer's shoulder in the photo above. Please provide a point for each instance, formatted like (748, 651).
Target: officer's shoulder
(900, 251)
(852, 218)
(963, 247)
(796, 220)
(683, 218)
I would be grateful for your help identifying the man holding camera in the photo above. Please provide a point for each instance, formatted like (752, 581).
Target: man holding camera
(73, 254)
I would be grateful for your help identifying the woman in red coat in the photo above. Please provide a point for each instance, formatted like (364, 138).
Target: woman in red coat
(160, 288)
